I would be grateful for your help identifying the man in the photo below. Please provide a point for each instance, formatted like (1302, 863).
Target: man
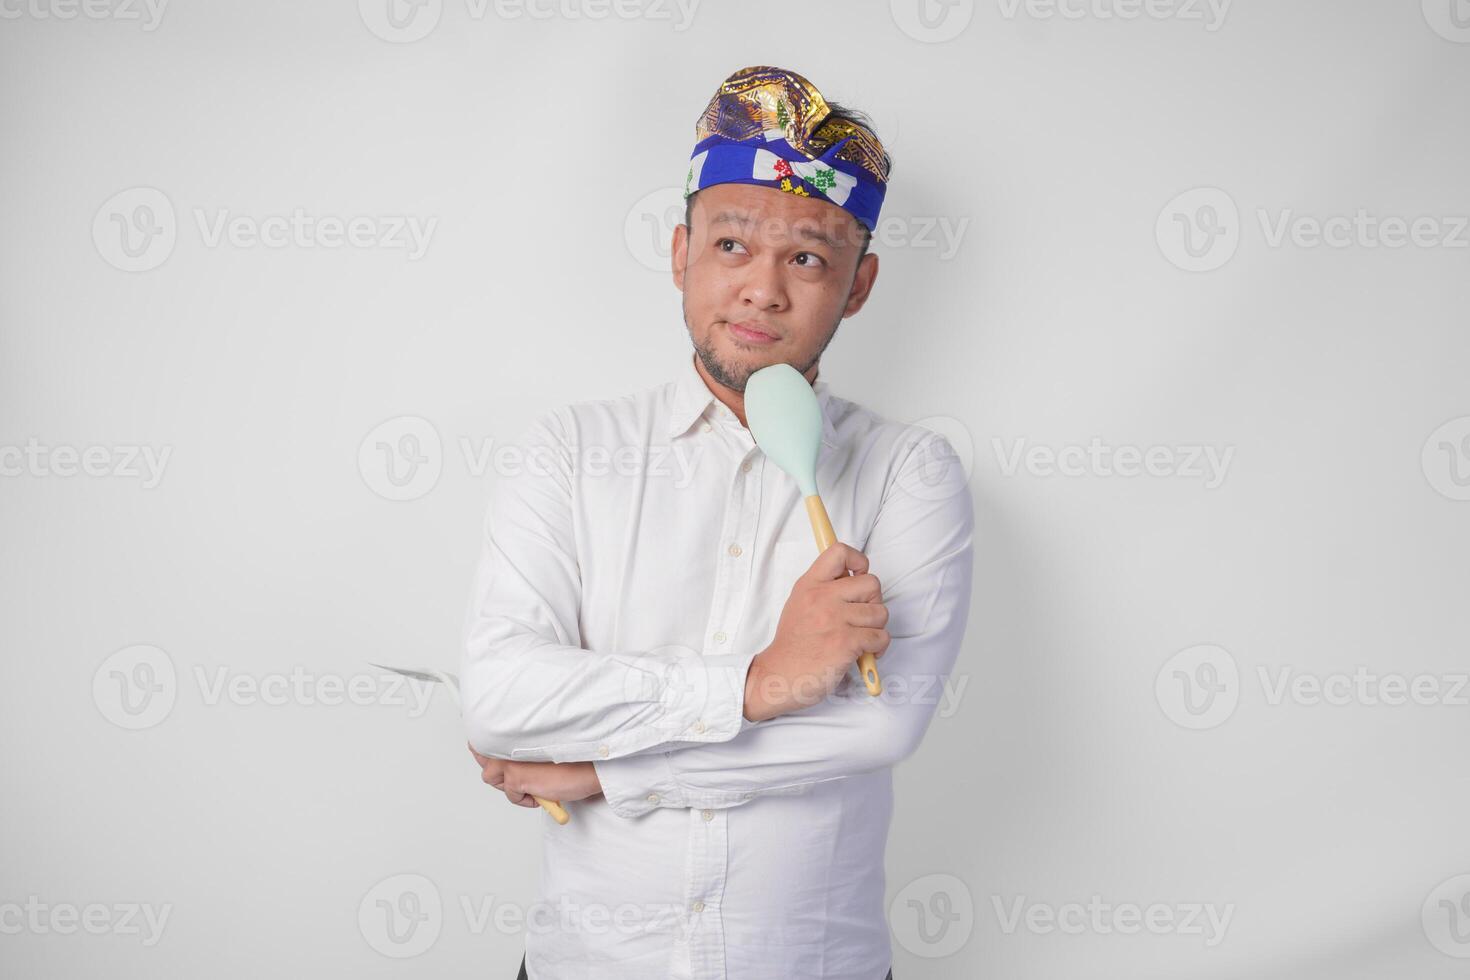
(658, 645)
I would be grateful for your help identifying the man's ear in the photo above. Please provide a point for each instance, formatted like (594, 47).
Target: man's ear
(862, 284)
(679, 254)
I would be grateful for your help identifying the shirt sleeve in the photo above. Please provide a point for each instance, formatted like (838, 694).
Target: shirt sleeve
(530, 691)
(921, 550)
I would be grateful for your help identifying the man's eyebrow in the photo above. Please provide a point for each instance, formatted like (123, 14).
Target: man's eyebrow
(734, 217)
(741, 218)
(822, 237)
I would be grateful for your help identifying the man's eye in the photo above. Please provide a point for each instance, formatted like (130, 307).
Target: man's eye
(813, 256)
(728, 241)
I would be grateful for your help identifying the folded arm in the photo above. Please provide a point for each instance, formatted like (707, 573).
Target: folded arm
(921, 550)
(530, 691)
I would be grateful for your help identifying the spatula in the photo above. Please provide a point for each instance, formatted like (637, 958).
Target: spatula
(786, 422)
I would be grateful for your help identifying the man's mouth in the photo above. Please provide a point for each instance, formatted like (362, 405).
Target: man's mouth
(752, 333)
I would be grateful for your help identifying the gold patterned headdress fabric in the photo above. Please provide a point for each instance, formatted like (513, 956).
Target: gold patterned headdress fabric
(771, 126)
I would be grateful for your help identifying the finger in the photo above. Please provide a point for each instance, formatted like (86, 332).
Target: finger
(493, 772)
(858, 588)
(836, 561)
(874, 641)
(523, 779)
(870, 614)
(523, 799)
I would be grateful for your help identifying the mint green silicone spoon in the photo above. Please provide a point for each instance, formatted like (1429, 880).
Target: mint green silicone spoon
(786, 422)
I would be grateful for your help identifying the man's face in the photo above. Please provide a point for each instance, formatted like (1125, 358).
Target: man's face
(759, 258)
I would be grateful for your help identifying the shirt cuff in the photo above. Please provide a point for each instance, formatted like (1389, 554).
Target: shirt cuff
(705, 705)
(701, 698)
(636, 784)
(720, 709)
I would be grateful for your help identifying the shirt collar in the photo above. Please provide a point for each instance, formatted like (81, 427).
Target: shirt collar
(692, 396)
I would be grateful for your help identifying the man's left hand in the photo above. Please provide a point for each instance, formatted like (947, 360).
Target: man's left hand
(523, 781)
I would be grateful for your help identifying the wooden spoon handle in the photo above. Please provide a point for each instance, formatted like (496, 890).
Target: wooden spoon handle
(557, 811)
(826, 537)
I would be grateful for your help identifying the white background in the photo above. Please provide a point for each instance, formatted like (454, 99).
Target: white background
(1053, 143)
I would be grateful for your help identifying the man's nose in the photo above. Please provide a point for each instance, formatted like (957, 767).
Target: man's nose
(764, 286)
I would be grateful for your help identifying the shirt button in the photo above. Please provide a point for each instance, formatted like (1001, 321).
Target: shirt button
(653, 797)
(735, 550)
(699, 726)
(706, 427)
(745, 466)
(602, 751)
(698, 906)
(709, 814)
(720, 637)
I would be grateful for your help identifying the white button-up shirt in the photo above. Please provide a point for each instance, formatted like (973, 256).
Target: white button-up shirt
(637, 555)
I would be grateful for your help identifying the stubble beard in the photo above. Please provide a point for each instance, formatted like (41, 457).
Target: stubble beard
(735, 378)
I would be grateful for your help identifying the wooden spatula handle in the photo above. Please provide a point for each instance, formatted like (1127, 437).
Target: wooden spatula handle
(557, 811)
(822, 528)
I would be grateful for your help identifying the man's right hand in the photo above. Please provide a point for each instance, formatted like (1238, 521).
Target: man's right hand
(830, 619)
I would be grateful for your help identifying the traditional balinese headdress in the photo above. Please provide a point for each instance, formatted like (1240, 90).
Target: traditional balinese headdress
(772, 127)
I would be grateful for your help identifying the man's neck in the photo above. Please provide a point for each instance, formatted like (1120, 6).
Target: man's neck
(735, 400)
